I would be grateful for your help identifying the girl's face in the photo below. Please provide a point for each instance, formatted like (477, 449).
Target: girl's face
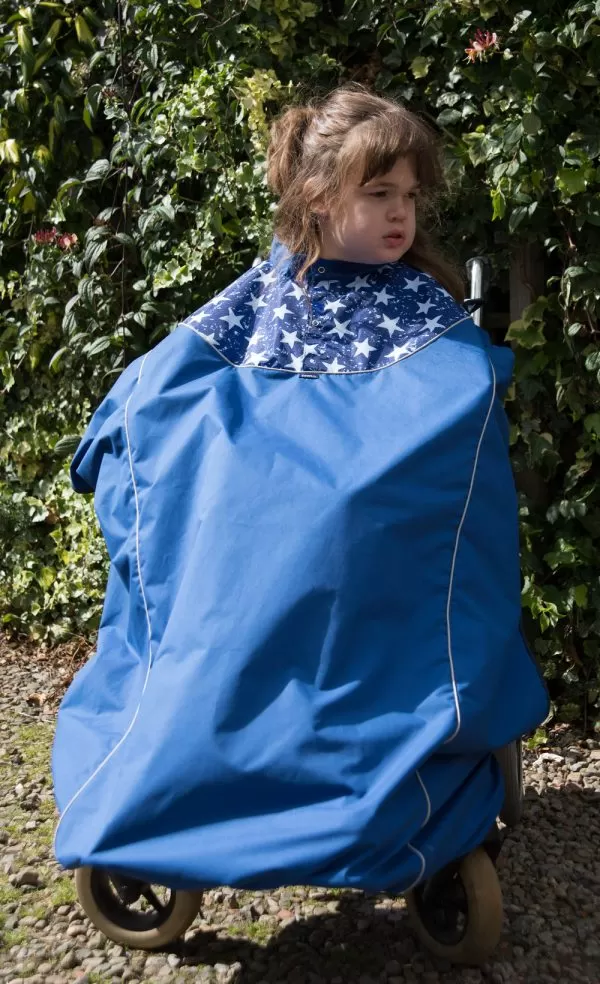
(374, 223)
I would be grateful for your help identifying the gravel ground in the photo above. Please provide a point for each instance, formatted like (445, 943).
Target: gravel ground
(549, 869)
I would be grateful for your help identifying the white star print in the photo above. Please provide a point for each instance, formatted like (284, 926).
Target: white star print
(396, 352)
(268, 277)
(232, 319)
(382, 296)
(289, 338)
(296, 362)
(414, 284)
(389, 324)
(424, 307)
(340, 329)
(255, 358)
(432, 323)
(359, 282)
(333, 306)
(310, 349)
(335, 366)
(256, 303)
(364, 348)
(280, 312)
(296, 290)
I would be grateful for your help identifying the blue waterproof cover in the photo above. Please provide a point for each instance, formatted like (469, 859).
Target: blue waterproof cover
(311, 638)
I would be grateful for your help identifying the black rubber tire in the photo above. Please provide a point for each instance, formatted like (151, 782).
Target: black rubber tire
(484, 914)
(179, 914)
(510, 759)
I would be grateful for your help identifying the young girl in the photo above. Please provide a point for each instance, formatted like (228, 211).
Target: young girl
(310, 645)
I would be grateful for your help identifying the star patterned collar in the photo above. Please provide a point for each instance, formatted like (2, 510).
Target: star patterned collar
(348, 318)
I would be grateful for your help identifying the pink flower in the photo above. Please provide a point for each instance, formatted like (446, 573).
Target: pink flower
(481, 44)
(44, 236)
(67, 240)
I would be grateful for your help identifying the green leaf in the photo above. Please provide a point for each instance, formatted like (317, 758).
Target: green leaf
(516, 218)
(592, 423)
(98, 171)
(532, 123)
(98, 345)
(498, 203)
(448, 116)
(592, 361)
(67, 186)
(420, 66)
(55, 360)
(571, 181)
(47, 577)
(526, 334)
(66, 446)
(580, 595)
(84, 35)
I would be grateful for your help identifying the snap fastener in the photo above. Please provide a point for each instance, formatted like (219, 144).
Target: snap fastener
(320, 269)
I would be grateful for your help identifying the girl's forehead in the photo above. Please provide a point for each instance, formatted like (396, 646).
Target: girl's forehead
(403, 172)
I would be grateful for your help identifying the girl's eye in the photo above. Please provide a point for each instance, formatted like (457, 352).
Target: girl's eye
(377, 194)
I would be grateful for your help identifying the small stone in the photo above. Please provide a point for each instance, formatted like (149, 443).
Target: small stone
(174, 960)
(76, 929)
(595, 755)
(93, 963)
(27, 876)
(69, 961)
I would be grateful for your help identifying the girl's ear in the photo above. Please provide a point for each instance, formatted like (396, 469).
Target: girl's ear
(320, 210)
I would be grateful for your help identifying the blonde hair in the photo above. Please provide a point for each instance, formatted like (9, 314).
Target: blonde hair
(314, 148)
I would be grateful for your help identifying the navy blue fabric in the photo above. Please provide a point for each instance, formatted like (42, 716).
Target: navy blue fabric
(310, 644)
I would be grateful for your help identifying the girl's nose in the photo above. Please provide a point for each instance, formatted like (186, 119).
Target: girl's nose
(397, 209)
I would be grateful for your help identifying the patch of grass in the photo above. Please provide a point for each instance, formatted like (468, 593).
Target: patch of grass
(38, 911)
(259, 932)
(63, 892)
(8, 893)
(14, 937)
(34, 742)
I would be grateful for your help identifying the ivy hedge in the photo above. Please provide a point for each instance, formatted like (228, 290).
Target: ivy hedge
(132, 140)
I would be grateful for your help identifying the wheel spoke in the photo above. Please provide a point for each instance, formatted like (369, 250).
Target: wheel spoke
(151, 897)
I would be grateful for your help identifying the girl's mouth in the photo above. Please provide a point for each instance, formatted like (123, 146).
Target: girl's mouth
(394, 239)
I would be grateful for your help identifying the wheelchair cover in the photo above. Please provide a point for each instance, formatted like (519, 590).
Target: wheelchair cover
(310, 644)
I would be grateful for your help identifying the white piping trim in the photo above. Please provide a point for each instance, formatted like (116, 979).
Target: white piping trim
(321, 372)
(421, 874)
(142, 365)
(150, 659)
(423, 787)
(452, 569)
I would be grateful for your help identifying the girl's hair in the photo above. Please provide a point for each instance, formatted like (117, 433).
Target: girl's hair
(314, 148)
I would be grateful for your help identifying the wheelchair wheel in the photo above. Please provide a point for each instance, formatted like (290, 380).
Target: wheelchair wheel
(510, 759)
(134, 913)
(457, 914)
